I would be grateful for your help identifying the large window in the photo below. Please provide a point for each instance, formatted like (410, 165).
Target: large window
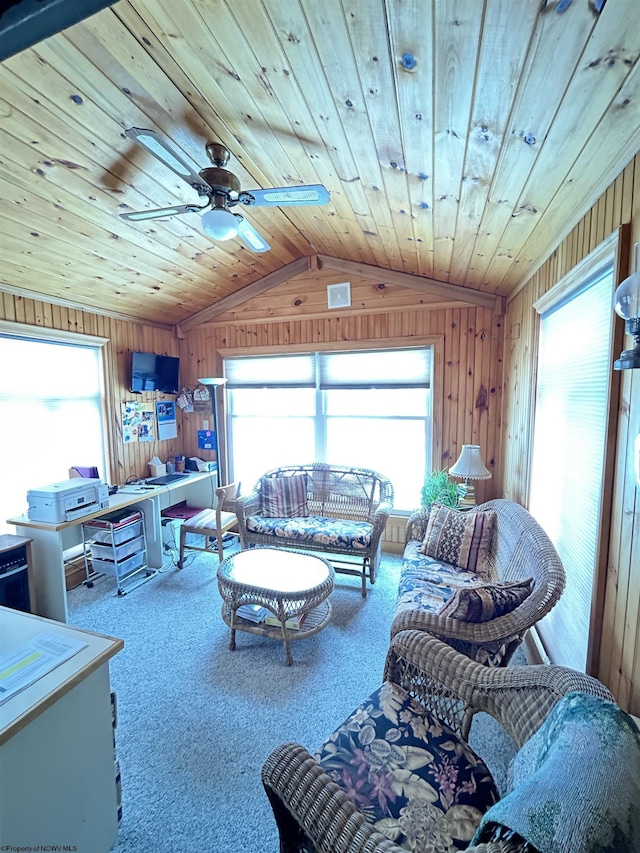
(51, 415)
(569, 450)
(365, 408)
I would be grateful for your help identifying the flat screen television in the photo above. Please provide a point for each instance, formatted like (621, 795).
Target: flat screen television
(151, 372)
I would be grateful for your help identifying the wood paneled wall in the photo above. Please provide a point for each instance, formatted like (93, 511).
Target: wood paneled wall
(619, 651)
(470, 390)
(124, 337)
(470, 394)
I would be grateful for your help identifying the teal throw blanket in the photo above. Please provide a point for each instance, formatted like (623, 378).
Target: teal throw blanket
(576, 783)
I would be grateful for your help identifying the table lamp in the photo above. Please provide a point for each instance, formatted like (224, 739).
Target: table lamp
(469, 466)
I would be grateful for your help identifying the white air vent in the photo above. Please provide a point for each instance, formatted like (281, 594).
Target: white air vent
(339, 295)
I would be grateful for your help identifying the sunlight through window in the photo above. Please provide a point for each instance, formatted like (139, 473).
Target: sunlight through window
(366, 408)
(50, 416)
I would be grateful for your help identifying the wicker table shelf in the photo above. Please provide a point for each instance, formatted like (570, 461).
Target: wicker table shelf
(288, 584)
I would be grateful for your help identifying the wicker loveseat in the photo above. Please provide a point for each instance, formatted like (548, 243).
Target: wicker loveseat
(519, 550)
(320, 507)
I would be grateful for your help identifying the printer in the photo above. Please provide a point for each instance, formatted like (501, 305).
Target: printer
(67, 500)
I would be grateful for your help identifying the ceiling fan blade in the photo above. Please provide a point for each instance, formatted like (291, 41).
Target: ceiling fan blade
(160, 148)
(254, 241)
(285, 196)
(158, 213)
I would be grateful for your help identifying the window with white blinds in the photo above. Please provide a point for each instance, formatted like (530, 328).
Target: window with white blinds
(407, 368)
(51, 415)
(368, 408)
(282, 371)
(401, 368)
(569, 451)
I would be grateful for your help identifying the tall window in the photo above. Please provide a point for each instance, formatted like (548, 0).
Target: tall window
(51, 415)
(569, 451)
(364, 408)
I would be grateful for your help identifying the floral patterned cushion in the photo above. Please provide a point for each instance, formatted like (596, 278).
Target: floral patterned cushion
(489, 601)
(315, 528)
(284, 497)
(462, 539)
(426, 584)
(409, 774)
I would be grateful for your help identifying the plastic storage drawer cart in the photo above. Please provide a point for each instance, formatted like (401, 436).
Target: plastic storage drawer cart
(116, 545)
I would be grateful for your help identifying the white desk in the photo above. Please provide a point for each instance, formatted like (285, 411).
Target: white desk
(57, 782)
(51, 540)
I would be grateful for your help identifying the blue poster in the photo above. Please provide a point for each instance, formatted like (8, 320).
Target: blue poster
(206, 439)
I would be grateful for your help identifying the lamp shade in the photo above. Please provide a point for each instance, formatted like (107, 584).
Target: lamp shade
(220, 224)
(213, 380)
(469, 465)
(626, 300)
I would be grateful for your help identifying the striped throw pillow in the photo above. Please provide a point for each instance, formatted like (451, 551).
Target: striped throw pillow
(284, 497)
(462, 539)
(482, 603)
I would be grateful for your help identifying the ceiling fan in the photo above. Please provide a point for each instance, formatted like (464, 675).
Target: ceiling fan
(222, 188)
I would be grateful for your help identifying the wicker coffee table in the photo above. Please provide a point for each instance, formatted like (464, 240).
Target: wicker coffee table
(289, 584)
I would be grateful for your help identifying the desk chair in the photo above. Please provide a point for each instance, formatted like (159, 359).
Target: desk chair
(211, 523)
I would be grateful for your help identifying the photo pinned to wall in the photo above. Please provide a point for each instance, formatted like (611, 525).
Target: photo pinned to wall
(138, 422)
(167, 426)
(201, 399)
(185, 400)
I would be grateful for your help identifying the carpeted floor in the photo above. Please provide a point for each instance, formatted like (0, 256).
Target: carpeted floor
(197, 721)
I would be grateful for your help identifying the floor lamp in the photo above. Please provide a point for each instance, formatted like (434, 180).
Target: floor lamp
(215, 382)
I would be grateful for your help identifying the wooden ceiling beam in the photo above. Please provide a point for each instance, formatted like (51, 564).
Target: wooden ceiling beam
(448, 292)
(256, 288)
(288, 317)
(26, 23)
(416, 282)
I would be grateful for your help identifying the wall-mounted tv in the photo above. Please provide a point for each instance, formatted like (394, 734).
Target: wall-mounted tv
(151, 372)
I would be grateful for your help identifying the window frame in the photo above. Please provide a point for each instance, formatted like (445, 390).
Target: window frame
(611, 252)
(61, 336)
(437, 374)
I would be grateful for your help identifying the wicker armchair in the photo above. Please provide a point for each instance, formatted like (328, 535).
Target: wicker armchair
(314, 813)
(521, 549)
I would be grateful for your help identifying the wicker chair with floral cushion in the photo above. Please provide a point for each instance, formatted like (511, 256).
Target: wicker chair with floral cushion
(399, 774)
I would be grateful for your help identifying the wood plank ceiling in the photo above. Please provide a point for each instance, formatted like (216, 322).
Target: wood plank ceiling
(460, 140)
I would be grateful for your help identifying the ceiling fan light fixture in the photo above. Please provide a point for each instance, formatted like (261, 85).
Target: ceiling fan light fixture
(222, 190)
(220, 224)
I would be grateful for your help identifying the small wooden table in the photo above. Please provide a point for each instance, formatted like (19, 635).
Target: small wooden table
(291, 585)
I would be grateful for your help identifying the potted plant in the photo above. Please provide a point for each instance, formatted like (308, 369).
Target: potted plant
(438, 488)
